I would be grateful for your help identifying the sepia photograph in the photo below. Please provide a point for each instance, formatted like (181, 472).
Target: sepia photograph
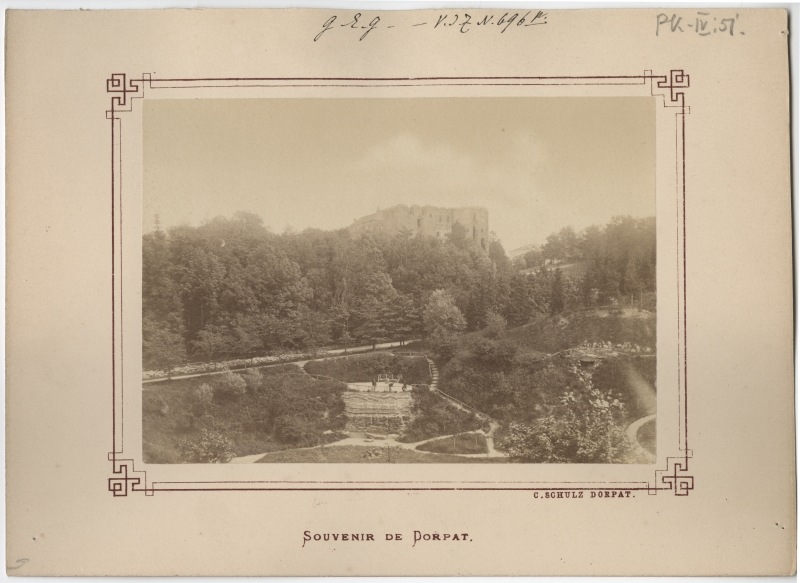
(399, 280)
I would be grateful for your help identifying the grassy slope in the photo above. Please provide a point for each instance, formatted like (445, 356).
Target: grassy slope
(355, 454)
(364, 368)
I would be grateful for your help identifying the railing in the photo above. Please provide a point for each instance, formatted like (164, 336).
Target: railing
(473, 409)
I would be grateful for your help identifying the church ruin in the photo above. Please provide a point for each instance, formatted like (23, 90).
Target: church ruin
(427, 220)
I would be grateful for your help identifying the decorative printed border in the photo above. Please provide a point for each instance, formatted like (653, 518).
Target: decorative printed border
(671, 88)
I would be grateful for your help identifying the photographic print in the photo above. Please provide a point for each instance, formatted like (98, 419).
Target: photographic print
(399, 280)
(350, 292)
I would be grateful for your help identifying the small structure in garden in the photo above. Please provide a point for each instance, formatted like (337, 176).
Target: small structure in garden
(377, 412)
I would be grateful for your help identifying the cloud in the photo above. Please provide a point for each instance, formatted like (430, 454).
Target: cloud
(411, 152)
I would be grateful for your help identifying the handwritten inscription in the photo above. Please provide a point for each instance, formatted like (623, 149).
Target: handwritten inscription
(463, 23)
(702, 24)
(20, 563)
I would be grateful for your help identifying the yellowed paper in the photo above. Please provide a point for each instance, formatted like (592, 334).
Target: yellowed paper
(391, 128)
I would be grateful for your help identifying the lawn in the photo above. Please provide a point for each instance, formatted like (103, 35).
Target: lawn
(463, 443)
(366, 367)
(357, 454)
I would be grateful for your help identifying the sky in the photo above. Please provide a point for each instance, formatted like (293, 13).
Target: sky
(537, 164)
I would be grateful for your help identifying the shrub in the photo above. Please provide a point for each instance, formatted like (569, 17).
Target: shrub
(253, 380)
(202, 399)
(587, 426)
(495, 325)
(494, 352)
(212, 448)
(295, 430)
(229, 386)
(184, 421)
(444, 344)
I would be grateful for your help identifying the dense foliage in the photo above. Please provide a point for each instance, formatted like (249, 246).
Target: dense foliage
(208, 419)
(585, 425)
(552, 408)
(232, 287)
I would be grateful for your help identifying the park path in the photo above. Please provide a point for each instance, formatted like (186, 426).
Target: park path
(632, 432)
(493, 425)
(391, 442)
(336, 353)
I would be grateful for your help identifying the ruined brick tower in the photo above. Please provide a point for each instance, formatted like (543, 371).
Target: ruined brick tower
(427, 220)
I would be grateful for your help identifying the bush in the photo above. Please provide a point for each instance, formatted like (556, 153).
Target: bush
(444, 345)
(495, 325)
(229, 386)
(587, 426)
(202, 399)
(498, 353)
(295, 430)
(184, 421)
(212, 448)
(253, 378)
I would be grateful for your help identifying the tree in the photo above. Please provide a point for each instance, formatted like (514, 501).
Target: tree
(162, 348)
(495, 325)
(313, 328)
(443, 322)
(403, 317)
(202, 399)
(346, 340)
(631, 282)
(212, 447)
(212, 341)
(459, 236)
(557, 294)
(246, 336)
(498, 255)
(229, 386)
(533, 258)
(442, 314)
(519, 308)
(371, 322)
